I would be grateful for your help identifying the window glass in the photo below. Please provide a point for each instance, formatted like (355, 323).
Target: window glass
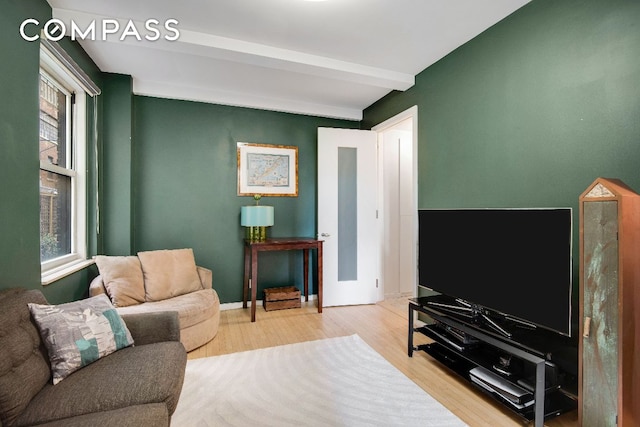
(55, 217)
(347, 214)
(53, 122)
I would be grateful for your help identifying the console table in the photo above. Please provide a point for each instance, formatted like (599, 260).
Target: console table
(251, 250)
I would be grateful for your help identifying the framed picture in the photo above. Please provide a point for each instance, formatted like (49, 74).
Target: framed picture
(268, 170)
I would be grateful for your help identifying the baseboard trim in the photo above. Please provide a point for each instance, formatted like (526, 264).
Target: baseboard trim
(235, 305)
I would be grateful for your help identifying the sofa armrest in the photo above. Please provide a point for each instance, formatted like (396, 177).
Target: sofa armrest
(96, 287)
(206, 277)
(149, 328)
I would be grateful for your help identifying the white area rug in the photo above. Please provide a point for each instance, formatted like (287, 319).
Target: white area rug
(331, 382)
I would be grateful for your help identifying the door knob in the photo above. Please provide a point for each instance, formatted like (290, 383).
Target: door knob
(325, 235)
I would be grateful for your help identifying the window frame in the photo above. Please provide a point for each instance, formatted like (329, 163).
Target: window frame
(56, 268)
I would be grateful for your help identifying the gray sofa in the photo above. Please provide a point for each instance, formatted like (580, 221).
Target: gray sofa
(135, 386)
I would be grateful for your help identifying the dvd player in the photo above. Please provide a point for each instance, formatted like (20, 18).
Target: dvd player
(504, 388)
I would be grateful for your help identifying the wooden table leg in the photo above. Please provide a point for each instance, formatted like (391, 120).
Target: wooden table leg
(245, 283)
(254, 281)
(306, 274)
(319, 263)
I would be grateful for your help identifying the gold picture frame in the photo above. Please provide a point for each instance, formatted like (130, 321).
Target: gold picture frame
(268, 170)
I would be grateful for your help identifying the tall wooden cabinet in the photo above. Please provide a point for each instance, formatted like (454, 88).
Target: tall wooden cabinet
(609, 342)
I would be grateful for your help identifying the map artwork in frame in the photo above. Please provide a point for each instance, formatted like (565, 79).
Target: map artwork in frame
(268, 170)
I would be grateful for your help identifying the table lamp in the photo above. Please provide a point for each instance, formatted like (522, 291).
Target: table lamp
(256, 219)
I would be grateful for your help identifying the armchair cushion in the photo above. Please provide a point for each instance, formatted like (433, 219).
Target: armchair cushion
(79, 333)
(169, 273)
(132, 377)
(123, 279)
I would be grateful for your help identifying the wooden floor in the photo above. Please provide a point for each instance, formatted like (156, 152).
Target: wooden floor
(384, 327)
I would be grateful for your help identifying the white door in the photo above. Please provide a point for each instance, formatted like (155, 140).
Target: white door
(347, 190)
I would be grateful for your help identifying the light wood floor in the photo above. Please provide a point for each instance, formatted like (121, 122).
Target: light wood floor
(384, 327)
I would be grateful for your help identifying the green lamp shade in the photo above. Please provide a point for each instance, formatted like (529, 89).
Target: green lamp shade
(256, 216)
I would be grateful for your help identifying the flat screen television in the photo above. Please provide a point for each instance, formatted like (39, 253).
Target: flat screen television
(516, 263)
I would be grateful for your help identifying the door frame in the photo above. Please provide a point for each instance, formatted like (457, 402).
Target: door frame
(410, 113)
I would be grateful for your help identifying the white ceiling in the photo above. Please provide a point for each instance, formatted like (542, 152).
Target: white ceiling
(328, 58)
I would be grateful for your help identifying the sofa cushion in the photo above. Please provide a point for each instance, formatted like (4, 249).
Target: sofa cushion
(169, 273)
(149, 414)
(24, 368)
(79, 333)
(133, 376)
(192, 308)
(122, 278)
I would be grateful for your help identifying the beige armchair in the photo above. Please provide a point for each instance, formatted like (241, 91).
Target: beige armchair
(164, 280)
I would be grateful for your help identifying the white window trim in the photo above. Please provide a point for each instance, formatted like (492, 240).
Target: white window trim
(62, 271)
(57, 268)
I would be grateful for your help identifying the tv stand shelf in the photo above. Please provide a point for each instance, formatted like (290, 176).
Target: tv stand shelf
(516, 370)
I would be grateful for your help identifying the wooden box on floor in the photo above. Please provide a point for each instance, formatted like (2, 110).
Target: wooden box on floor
(281, 298)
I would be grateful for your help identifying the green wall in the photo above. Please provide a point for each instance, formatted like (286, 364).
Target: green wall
(19, 62)
(19, 166)
(186, 185)
(530, 112)
(116, 195)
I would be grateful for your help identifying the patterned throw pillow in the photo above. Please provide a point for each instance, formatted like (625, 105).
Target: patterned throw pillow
(79, 333)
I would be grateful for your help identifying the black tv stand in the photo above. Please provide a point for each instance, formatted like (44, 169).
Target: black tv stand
(471, 311)
(515, 369)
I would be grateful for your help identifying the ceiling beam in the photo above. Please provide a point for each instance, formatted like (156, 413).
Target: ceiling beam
(236, 99)
(290, 60)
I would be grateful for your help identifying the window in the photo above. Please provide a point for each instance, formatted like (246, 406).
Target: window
(56, 169)
(62, 156)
